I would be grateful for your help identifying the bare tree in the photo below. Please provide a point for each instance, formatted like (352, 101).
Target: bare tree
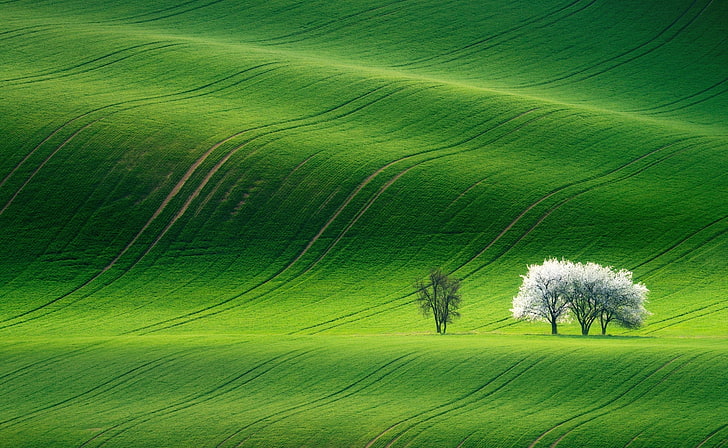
(439, 295)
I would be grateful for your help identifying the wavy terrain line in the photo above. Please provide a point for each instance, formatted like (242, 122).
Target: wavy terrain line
(476, 44)
(341, 21)
(165, 202)
(639, 47)
(96, 391)
(604, 181)
(290, 127)
(509, 227)
(444, 408)
(229, 385)
(373, 378)
(628, 403)
(64, 73)
(711, 435)
(194, 315)
(610, 400)
(43, 163)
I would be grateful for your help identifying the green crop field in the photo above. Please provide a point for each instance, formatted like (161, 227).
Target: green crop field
(212, 213)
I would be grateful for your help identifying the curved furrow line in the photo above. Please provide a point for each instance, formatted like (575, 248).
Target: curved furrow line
(23, 32)
(38, 146)
(365, 382)
(43, 163)
(468, 399)
(646, 52)
(338, 21)
(81, 64)
(280, 272)
(17, 30)
(627, 52)
(632, 440)
(353, 314)
(509, 324)
(178, 187)
(707, 313)
(157, 212)
(367, 316)
(178, 13)
(679, 243)
(151, 13)
(480, 48)
(680, 100)
(495, 322)
(229, 385)
(72, 72)
(389, 183)
(147, 101)
(10, 376)
(196, 315)
(94, 392)
(392, 163)
(612, 400)
(542, 218)
(361, 212)
(340, 26)
(457, 51)
(628, 403)
(685, 313)
(460, 408)
(696, 102)
(76, 289)
(465, 440)
(174, 193)
(604, 180)
(568, 199)
(303, 122)
(711, 435)
(185, 206)
(457, 407)
(434, 408)
(224, 160)
(465, 192)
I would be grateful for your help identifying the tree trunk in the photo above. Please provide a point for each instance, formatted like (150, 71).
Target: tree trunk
(585, 329)
(437, 324)
(444, 327)
(553, 327)
(603, 322)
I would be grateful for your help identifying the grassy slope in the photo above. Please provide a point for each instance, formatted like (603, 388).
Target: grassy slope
(365, 391)
(216, 167)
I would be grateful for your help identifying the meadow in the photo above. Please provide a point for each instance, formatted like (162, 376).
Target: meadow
(212, 213)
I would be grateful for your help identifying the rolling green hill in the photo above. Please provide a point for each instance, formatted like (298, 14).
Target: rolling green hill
(183, 181)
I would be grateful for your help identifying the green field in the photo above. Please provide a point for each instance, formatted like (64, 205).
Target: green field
(212, 213)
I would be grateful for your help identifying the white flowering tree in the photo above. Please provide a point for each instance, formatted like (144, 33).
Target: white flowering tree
(587, 288)
(558, 289)
(541, 296)
(623, 302)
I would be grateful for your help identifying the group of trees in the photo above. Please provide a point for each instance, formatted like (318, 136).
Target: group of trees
(558, 290)
(555, 291)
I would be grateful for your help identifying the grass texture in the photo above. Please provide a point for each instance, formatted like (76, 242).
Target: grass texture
(202, 202)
